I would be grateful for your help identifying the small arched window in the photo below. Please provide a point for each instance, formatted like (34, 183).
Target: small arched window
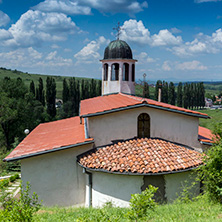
(143, 125)
(105, 69)
(115, 72)
(133, 73)
(125, 72)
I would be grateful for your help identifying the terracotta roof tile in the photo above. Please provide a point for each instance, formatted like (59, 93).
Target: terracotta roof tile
(114, 101)
(205, 135)
(159, 156)
(51, 136)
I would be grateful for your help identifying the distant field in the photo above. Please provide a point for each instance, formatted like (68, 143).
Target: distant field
(213, 88)
(27, 78)
(216, 116)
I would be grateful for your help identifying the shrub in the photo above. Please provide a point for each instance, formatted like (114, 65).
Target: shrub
(14, 177)
(4, 183)
(21, 209)
(141, 203)
(211, 171)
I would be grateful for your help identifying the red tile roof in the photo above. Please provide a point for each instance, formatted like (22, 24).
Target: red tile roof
(142, 156)
(111, 102)
(205, 135)
(49, 137)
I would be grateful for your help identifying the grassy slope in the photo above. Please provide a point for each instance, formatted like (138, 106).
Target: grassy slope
(27, 78)
(198, 211)
(216, 116)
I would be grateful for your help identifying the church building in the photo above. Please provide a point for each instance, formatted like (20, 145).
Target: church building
(117, 146)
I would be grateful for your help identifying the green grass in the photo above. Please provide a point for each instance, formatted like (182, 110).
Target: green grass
(27, 78)
(200, 210)
(216, 117)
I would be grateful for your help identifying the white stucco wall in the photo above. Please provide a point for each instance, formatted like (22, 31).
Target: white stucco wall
(123, 125)
(56, 177)
(174, 184)
(115, 188)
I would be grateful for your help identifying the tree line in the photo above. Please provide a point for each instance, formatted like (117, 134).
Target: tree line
(188, 95)
(23, 107)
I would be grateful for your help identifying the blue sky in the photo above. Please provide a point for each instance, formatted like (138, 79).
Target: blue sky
(171, 39)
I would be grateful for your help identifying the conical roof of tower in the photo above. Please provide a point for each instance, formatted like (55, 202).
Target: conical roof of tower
(118, 49)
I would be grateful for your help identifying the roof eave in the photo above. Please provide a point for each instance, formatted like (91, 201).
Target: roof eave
(138, 174)
(206, 143)
(142, 105)
(47, 151)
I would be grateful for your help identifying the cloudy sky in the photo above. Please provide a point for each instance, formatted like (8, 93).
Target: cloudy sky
(171, 39)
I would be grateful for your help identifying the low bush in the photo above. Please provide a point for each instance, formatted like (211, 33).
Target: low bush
(4, 183)
(140, 204)
(210, 172)
(14, 177)
(21, 209)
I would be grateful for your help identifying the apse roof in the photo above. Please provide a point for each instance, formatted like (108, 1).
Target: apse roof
(141, 156)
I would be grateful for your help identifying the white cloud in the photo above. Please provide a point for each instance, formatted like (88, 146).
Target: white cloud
(184, 66)
(144, 58)
(165, 37)
(175, 30)
(201, 44)
(54, 46)
(5, 35)
(20, 58)
(66, 7)
(133, 31)
(72, 7)
(89, 53)
(35, 27)
(166, 66)
(193, 65)
(4, 19)
(29, 58)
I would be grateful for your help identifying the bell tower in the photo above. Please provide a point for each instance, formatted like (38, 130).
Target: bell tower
(118, 69)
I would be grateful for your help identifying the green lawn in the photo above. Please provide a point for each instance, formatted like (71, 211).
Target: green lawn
(197, 211)
(216, 117)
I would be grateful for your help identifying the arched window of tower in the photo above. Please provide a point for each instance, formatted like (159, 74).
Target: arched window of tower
(115, 72)
(133, 73)
(105, 68)
(125, 72)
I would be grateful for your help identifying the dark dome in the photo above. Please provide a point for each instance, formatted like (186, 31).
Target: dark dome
(118, 49)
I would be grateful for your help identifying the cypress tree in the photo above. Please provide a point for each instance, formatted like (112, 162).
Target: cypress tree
(202, 95)
(32, 87)
(72, 96)
(65, 92)
(51, 96)
(83, 93)
(185, 94)
(164, 96)
(195, 96)
(180, 94)
(41, 92)
(172, 94)
(93, 88)
(146, 91)
(77, 99)
(98, 88)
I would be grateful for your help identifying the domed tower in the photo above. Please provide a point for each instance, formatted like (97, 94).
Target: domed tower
(118, 72)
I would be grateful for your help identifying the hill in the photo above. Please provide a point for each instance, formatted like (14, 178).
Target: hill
(27, 78)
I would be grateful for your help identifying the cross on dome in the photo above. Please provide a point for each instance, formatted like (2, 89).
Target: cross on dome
(118, 29)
